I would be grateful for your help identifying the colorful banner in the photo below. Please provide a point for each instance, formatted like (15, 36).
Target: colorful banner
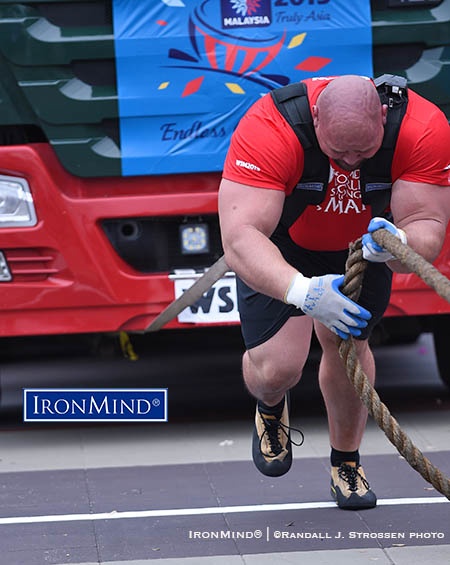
(187, 70)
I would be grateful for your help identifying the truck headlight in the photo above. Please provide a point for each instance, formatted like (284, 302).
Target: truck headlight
(16, 203)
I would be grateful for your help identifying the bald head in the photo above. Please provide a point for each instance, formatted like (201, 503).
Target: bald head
(349, 120)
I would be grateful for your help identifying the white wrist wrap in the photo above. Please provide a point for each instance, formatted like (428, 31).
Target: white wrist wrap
(297, 290)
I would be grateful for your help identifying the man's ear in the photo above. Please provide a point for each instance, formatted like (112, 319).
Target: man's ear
(315, 115)
(384, 109)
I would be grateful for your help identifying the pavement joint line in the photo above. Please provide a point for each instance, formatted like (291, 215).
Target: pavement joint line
(121, 515)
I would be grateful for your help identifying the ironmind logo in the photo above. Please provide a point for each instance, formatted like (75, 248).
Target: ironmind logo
(101, 405)
(246, 13)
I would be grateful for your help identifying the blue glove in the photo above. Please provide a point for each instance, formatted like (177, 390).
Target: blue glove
(320, 298)
(371, 250)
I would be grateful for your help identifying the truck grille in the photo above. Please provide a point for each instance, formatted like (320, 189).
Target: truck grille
(32, 265)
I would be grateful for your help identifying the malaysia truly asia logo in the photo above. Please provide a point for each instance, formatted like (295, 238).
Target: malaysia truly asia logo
(245, 13)
(239, 55)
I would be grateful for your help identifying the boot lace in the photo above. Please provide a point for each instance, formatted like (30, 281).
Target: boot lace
(350, 475)
(273, 429)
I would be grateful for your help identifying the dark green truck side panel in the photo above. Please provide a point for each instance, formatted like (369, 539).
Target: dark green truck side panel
(54, 58)
(58, 73)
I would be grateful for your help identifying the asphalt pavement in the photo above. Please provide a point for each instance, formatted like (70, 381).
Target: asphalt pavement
(186, 491)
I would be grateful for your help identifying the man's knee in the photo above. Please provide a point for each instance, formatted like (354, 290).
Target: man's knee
(276, 374)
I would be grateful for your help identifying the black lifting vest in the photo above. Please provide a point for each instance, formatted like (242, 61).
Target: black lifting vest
(375, 173)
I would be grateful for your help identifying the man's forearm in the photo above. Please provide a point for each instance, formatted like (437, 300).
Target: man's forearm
(258, 262)
(425, 237)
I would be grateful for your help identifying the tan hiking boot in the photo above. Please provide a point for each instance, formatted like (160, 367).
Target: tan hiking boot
(350, 489)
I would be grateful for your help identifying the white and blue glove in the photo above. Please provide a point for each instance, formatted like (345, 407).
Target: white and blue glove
(320, 298)
(371, 250)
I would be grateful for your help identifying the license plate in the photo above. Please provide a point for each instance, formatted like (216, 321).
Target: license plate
(217, 305)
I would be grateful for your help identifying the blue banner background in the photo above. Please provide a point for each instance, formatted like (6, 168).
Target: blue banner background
(187, 70)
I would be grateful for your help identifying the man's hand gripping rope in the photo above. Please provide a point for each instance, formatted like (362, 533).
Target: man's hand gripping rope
(321, 298)
(372, 251)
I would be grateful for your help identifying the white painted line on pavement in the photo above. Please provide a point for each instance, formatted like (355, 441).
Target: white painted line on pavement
(114, 515)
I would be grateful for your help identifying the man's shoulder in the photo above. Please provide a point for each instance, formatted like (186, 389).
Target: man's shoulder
(421, 153)
(422, 112)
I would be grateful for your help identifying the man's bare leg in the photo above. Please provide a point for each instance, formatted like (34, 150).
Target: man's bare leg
(272, 368)
(347, 417)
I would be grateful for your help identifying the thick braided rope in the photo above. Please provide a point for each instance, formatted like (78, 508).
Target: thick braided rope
(352, 286)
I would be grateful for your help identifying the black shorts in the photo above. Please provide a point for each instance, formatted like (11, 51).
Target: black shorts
(262, 316)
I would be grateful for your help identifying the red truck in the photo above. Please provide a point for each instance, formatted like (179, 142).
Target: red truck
(89, 246)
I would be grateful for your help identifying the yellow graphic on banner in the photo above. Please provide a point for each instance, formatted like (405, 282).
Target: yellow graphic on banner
(235, 88)
(296, 40)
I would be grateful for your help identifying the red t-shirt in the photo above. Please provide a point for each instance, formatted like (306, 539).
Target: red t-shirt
(265, 152)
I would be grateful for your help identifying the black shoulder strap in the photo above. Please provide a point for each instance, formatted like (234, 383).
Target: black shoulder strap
(393, 92)
(376, 178)
(293, 104)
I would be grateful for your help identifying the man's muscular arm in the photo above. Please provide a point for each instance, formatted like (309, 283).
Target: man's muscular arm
(248, 216)
(422, 211)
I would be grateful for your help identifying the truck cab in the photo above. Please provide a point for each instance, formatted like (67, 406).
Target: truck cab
(114, 122)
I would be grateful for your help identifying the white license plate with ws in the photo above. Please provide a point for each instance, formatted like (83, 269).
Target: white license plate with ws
(217, 305)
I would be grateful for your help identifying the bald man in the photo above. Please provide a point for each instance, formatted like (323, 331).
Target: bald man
(289, 258)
